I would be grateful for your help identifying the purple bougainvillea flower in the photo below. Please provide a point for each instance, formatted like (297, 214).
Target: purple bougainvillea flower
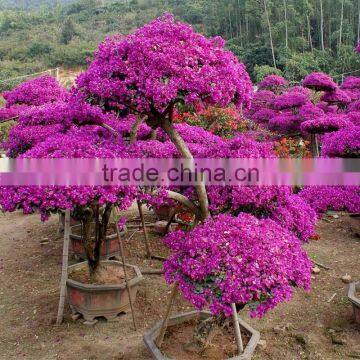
(338, 97)
(325, 124)
(242, 260)
(273, 83)
(320, 82)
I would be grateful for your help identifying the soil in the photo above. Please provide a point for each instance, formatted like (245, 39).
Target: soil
(105, 275)
(308, 327)
(222, 346)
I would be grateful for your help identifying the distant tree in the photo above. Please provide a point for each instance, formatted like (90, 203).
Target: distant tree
(68, 31)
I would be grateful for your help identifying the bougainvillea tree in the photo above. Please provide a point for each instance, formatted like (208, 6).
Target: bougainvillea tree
(344, 143)
(68, 130)
(34, 92)
(337, 97)
(241, 260)
(319, 81)
(274, 83)
(160, 65)
(326, 124)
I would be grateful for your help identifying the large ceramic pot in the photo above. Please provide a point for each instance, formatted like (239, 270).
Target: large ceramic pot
(110, 248)
(106, 301)
(355, 300)
(164, 212)
(62, 221)
(152, 334)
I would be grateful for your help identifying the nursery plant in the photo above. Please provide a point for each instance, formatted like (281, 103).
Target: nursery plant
(243, 260)
(159, 66)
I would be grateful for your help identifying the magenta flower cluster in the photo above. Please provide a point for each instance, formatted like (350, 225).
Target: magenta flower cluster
(343, 143)
(319, 81)
(240, 260)
(164, 62)
(38, 91)
(337, 198)
(326, 124)
(273, 83)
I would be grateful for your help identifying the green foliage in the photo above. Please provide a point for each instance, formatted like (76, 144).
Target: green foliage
(4, 131)
(299, 65)
(47, 33)
(67, 32)
(12, 69)
(265, 70)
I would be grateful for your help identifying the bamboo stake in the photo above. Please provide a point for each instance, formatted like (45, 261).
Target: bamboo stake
(64, 271)
(239, 342)
(125, 274)
(147, 245)
(165, 323)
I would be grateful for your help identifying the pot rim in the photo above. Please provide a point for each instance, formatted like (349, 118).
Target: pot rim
(106, 287)
(108, 237)
(352, 293)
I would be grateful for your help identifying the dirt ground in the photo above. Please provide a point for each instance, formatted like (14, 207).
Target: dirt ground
(315, 325)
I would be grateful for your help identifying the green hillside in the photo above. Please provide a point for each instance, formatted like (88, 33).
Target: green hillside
(67, 34)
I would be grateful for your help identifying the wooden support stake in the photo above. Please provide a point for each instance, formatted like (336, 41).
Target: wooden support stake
(64, 271)
(152, 272)
(147, 245)
(125, 274)
(239, 342)
(165, 323)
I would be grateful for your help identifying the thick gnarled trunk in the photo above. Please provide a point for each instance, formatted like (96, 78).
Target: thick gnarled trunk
(93, 241)
(180, 144)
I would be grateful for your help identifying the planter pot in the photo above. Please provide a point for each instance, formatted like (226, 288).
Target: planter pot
(73, 222)
(164, 212)
(151, 335)
(110, 248)
(353, 288)
(106, 301)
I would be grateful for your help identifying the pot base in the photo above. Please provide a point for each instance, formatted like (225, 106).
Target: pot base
(107, 301)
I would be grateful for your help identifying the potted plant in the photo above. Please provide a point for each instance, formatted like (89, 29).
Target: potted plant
(110, 248)
(226, 264)
(91, 206)
(107, 299)
(163, 48)
(354, 297)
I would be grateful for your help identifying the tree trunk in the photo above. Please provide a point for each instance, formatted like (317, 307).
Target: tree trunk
(153, 134)
(180, 144)
(134, 130)
(270, 34)
(230, 23)
(93, 241)
(286, 26)
(341, 25)
(358, 29)
(309, 32)
(87, 217)
(322, 26)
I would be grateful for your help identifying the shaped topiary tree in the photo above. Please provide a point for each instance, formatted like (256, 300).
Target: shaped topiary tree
(159, 66)
(236, 260)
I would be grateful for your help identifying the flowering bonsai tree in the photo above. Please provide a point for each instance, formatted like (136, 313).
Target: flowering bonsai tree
(319, 81)
(274, 83)
(337, 97)
(63, 130)
(34, 92)
(343, 143)
(241, 260)
(325, 124)
(159, 66)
